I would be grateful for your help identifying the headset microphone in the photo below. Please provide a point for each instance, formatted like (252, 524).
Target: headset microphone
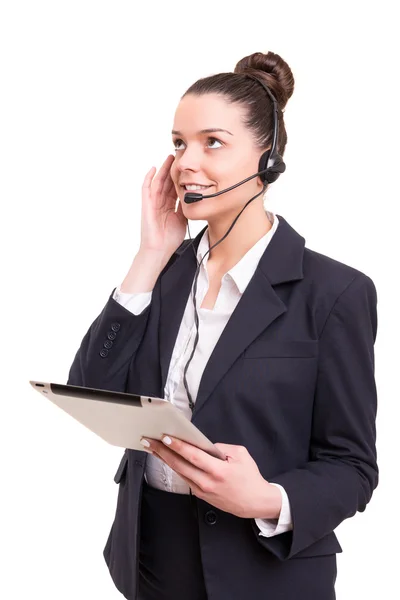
(191, 197)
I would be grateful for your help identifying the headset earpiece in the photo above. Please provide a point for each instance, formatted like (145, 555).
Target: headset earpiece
(277, 165)
(274, 170)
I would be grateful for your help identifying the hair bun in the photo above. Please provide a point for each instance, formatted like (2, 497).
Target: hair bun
(272, 70)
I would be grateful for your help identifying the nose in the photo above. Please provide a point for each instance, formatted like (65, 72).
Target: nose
(189, 159)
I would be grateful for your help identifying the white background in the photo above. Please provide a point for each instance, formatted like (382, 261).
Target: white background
(88, 94)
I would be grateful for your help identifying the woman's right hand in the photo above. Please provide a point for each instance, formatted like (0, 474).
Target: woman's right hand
(162, 229)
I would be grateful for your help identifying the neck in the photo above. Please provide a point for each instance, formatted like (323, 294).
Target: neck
(250, 227)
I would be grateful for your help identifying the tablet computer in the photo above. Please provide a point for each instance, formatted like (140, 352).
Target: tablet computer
(123, 419)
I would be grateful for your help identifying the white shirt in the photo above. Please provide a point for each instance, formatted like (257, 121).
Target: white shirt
(211, 324)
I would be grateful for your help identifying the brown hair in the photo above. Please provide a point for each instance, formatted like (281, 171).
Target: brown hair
(275, 73)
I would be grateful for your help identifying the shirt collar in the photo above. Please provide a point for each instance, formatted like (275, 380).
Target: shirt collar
(243, 271)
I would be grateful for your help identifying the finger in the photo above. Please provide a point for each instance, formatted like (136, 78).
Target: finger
(195, 456)
(195, 489)
(233, 452)
(168, 192)
(164, 171)
(171, 456)
(148, 179)
(164, 199)
(168, 189)
(176, 462)
(203, 482)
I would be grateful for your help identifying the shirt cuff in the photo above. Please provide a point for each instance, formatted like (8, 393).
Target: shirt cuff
(271, 527)
(135, 303)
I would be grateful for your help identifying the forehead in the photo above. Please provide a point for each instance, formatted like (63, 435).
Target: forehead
(194, 113)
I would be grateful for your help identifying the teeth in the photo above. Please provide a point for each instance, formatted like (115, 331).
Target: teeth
(196, 187)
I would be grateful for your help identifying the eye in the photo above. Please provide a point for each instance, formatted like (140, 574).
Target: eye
(215, 140)
(176, 142)
(179, 141)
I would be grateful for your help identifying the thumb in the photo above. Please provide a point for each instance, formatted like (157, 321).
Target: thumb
(232, 450)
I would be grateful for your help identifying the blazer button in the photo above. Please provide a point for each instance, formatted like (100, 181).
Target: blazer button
(111, 335)
(210, 517)
(103, 352)
(115, 326)
(108, 344)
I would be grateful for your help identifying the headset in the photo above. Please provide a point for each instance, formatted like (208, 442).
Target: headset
(270, 166)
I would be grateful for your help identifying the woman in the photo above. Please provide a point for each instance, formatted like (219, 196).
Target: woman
(280, 375)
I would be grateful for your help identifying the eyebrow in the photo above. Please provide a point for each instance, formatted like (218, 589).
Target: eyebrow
(209, 130)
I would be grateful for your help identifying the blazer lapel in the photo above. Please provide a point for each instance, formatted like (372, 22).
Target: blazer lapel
(258, 307)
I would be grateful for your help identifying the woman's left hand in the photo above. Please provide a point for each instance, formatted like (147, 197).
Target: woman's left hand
(235, 485)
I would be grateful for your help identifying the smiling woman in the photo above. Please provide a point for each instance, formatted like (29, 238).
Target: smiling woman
(281, 373)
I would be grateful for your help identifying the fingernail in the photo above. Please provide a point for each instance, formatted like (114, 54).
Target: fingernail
(145, 443)
(167, 440)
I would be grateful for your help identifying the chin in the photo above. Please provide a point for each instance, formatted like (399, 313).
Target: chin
(206, 215)
(196, 210)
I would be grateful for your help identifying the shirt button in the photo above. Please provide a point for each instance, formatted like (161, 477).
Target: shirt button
(210, 517)
(115, 326)
(103, 353)
(111, 335)
(108, 344)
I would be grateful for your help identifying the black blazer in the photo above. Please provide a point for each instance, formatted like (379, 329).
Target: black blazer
(291, 378)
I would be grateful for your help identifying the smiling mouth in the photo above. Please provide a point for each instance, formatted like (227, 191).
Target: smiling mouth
(199, 189)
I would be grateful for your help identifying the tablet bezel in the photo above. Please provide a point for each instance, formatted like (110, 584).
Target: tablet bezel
(158, 415)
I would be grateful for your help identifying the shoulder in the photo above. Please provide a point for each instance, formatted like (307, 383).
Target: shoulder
(329, 280)
(332, 271)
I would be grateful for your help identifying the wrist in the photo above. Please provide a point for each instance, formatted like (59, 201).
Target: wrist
(269, 503)
(158, 257)
(144, 272)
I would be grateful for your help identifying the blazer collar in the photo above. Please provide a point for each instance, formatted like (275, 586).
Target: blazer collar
(258, 307)
(283, 258)
(243, 270)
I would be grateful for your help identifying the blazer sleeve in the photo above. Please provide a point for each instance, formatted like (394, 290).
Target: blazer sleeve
(342, 471)
(109, 345)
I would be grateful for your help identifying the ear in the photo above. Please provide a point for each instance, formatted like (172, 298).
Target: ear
(260, 184)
